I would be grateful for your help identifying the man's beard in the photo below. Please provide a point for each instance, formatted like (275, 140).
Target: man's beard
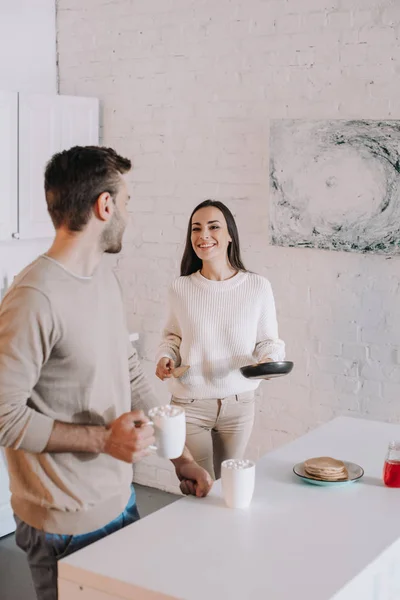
(111, 239)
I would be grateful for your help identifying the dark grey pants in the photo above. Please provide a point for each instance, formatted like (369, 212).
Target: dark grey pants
(43, 550)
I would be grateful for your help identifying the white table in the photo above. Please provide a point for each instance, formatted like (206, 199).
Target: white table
(7, 523)
(295, 542)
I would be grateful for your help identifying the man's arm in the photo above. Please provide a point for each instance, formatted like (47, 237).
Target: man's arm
(142, 395)
(27, 336)
(67, 437)
(127, 438)
(195, 480)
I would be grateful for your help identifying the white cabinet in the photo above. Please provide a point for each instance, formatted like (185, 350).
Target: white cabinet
(79, 121)
(38, 141)
(34, 127)
(7, 523)
(8, 164)
(48, 124)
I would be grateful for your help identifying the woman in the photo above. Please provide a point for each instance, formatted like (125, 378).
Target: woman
(221, 317)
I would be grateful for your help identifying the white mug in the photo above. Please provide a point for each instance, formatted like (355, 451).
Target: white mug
(238, 478)
(169, 430)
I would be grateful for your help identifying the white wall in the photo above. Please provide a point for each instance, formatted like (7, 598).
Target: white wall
(187, 89)
(28, 46)
(28, 64)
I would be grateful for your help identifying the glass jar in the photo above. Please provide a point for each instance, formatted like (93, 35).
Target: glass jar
(391, 470)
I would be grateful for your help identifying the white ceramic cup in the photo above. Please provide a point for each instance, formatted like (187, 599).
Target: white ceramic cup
(169, 430)
(238, 478)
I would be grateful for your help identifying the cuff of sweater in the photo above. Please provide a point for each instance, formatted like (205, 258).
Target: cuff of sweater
(274, 351)
(37, 433)
(167, 354)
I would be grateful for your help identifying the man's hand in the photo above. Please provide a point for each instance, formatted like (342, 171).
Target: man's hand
(165, 368)
(128, 437)
(195, 481)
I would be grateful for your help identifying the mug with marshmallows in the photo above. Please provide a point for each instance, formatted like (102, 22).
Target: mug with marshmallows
(169, 425)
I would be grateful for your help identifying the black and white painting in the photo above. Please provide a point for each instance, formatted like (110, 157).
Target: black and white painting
(335, 184)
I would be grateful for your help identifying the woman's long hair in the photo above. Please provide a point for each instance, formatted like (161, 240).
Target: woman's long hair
(191, 262)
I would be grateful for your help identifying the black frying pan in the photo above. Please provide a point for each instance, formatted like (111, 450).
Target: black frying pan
(267, 370)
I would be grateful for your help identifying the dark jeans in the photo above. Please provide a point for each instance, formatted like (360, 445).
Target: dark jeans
(43, 550)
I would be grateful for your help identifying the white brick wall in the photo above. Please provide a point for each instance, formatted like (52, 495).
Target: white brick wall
(187, 90)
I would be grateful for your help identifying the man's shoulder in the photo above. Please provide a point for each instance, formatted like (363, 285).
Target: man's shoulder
(35, 276)
(30, 272)
(43, 272)
(25, 300)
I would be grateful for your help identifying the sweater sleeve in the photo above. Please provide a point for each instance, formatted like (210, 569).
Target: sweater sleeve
(268, 344)
(142, 395)
(27, 335)
(171, 335)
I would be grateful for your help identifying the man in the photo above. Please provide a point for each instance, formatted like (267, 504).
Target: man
(71, 385)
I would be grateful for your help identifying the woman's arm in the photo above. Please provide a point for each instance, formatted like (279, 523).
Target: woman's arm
(268, 344)
(171, 335)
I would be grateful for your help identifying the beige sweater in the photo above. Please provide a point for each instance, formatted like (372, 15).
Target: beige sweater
(65, 355)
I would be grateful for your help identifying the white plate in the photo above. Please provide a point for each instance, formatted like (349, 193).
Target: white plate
(355, 473)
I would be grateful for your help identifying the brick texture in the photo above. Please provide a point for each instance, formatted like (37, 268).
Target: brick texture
(187, 90)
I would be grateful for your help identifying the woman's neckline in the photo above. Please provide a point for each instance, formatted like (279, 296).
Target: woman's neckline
(226, 279)
(225, 284)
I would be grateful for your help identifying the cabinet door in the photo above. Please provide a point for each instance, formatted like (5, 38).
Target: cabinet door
(79, 121)
(48, 124)
(39, 139)
(8, 164)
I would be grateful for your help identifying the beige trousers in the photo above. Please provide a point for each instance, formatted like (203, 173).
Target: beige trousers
(218, 428)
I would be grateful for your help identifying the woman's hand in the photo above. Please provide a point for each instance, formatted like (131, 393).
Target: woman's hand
(265, 359)
(165, 368)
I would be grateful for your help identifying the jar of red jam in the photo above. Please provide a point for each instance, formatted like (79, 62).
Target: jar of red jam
(391, 470)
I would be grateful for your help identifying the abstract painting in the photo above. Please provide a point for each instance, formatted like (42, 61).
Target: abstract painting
(335, 184)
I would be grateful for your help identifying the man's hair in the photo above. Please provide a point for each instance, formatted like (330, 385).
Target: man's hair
(75, 178)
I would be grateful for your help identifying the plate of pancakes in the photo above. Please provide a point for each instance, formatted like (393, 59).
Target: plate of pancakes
(327, 471)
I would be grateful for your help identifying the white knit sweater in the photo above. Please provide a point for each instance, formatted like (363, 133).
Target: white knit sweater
(217, 327)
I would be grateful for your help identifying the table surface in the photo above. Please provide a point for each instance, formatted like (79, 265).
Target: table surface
(295, 541)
